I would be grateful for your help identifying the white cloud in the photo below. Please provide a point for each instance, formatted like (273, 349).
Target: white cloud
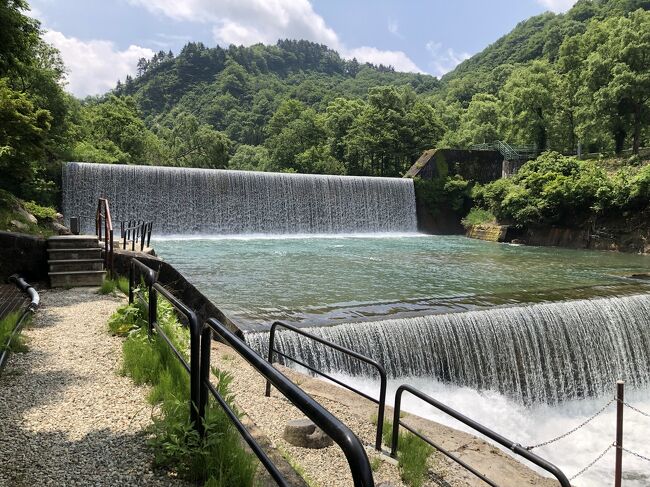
(398, 59)
(250, 21)
(444, 60)
(94, 66)
(246, 22)
(557, 5)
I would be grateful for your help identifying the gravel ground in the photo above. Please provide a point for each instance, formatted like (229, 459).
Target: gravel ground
(66, 417)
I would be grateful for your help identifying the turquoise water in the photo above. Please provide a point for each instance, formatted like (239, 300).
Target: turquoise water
(334, 278)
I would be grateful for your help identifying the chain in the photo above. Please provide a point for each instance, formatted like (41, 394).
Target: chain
(636, 409)
(584, 423)
(638, 455)
(592, 463)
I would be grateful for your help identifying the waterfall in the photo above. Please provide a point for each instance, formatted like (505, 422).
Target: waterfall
(544, 353)
(210, 201)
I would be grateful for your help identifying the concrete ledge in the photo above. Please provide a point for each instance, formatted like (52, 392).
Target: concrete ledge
(488, 231)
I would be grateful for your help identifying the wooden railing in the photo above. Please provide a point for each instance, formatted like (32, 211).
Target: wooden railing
(104, 223)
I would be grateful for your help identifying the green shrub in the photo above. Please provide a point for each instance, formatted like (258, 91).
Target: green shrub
(450, 192)
(218, 458)
(478, 216)
(110, 285)
(40, 212)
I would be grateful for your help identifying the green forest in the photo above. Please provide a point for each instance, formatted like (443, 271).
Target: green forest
(578, 81)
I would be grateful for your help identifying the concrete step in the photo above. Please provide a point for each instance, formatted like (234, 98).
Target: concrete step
(71, 254)
(69, 265)
(72, 242)
(76, 278)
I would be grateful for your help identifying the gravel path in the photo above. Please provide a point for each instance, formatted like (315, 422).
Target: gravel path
(66, 417)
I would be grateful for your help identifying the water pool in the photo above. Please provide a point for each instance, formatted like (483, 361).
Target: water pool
(342, 278)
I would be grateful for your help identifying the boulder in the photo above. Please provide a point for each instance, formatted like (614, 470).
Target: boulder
(60, 229)
(26, 215)
(20, 225)
(305, 434)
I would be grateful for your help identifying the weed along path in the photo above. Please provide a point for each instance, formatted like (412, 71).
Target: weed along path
(67, 418)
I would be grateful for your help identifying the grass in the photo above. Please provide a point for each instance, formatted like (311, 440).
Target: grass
(109, 286)
(7, 325)
(217, 459)
(478, 216)
(412, 455)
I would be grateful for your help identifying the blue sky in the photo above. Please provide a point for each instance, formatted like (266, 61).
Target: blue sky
(101, 41)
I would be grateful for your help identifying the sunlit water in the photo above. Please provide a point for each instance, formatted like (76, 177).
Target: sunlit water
(339, 279)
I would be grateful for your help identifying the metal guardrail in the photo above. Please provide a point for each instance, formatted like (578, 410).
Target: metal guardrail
(35, 300)
(201, 387)
(135, 232)
(382, 372)
(341, 434)
(511, 445)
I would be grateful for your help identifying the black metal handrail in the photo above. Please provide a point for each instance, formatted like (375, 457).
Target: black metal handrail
(201, 387)
(135, 231)
(35, 300)
(382, 372)
(154, 288)
(511, 445)
(335, 429)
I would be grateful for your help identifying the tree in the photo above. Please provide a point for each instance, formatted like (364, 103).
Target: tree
(480, 123)
(193, 144)
(529, 103)
(617, 74)
(23, 135)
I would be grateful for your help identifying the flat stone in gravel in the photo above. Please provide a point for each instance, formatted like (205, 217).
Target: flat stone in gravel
(66, 417)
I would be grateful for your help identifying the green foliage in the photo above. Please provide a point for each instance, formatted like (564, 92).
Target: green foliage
(219, 458)
(412, 455)
(7, 325)
(478, 216)
(559, 190)
(40, 212)
(452, 192)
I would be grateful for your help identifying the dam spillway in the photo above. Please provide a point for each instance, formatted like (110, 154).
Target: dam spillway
(225, 202)
(545, 353)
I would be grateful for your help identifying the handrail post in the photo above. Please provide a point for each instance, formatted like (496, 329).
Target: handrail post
(131, 282)
(153, 309)
(195, 372)
(618, 471)
(381, 412)
(111, 256)
(396, 415)
(270, 357)
(204, 375)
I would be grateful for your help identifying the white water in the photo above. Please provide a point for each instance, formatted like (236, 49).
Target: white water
(209, 201)
(533, 425)
(543, 353)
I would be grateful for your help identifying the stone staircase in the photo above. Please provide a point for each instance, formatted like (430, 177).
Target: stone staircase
(75, 260)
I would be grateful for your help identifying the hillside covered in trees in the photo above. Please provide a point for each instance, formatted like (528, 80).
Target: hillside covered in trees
(579, 79)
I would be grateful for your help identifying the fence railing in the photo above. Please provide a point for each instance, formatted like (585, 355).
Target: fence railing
(27, 288)
(511, 445)
(201, 387)
(136, 232)
(103, 222)
(381, 401)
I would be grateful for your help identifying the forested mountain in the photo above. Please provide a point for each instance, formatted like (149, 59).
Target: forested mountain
(579, 79)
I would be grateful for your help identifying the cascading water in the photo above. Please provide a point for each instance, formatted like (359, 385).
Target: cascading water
(207, 201)
(544, 353)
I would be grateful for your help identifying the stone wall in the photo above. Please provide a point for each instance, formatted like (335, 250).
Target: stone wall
(481, 166)
(173, 280)
(23, 254)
